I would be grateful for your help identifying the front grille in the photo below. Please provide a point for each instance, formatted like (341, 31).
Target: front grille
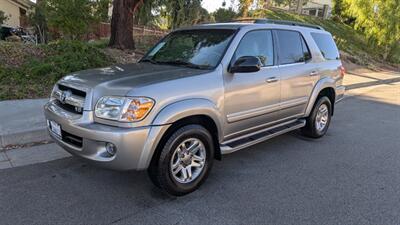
(70, 99)
(73, 90)
(72, 139)
(68, 107)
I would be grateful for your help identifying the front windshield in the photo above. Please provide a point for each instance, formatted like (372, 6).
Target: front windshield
(196, 48)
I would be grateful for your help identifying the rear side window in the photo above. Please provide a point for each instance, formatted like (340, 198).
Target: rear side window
(326, 45)
(259, 44)
(291, 47)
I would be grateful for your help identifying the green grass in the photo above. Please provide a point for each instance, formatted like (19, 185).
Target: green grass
(348, 40)
(28, 71)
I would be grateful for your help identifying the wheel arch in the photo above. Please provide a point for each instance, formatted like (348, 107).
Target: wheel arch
(324, 87)
(176, 115)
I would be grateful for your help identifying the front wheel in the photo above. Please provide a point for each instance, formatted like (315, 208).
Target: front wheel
(320, 117)
(184, 162)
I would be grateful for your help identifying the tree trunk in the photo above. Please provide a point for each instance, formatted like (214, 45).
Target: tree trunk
(122, 23)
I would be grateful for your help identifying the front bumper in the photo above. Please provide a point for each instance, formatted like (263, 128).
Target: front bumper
(135, 146)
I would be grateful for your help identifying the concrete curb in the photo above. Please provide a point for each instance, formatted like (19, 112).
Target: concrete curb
(22, 122)
(31, 155)
(24, 137)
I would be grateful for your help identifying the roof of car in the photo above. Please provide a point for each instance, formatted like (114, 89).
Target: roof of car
(280, 24)
(229, 26)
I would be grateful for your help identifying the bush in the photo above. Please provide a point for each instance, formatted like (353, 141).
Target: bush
(35, 74)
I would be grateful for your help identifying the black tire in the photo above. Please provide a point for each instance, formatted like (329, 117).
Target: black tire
(160, 168)
(310, 130)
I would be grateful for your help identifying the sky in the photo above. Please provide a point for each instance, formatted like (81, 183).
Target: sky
(212, 5)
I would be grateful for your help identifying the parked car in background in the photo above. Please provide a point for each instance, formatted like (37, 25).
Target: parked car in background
(17, 35)
(198, 94)
(5, 31)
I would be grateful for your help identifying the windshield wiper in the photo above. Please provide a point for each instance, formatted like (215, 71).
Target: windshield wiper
(187, 64)
(149, 60)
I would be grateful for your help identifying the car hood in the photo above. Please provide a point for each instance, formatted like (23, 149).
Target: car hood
(120, 79)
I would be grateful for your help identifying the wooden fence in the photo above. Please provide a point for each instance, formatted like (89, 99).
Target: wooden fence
(103, 30)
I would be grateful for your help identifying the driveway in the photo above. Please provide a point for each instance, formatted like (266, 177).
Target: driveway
(350, 176)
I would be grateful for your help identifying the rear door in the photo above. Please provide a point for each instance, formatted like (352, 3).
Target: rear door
(331, 64)
(297, 73)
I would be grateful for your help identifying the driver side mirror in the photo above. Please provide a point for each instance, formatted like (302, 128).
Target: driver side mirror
(246, 64)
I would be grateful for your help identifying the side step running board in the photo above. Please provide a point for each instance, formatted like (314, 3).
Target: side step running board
(261, 136)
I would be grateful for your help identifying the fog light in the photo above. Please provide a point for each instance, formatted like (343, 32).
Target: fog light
(111, 149)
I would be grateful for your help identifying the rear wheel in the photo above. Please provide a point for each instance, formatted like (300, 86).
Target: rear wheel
(320, 117)
(184, 162)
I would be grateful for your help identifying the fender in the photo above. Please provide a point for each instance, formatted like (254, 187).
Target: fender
(325, 82)
(172, 113)
(189, 107)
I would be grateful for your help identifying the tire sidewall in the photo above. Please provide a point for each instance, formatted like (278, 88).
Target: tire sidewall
(327, 102)
(166, 180)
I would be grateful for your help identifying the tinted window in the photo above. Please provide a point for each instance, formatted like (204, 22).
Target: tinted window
(197, 47)
(290, 47)
(306, 50)
(326, 45)
(259, 44)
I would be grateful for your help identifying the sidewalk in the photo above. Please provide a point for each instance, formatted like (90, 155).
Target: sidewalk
(360, 81)
(22, 121)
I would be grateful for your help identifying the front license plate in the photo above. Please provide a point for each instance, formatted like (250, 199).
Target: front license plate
(54, 127)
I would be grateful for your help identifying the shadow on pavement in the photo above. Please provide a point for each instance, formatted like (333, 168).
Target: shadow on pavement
(372, 83)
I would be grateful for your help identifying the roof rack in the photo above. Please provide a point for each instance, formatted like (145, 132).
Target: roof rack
(281, 22)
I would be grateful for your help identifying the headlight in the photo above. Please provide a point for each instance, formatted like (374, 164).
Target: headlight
(125, 109)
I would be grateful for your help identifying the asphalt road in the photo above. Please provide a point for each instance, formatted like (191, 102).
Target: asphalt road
(351, 176)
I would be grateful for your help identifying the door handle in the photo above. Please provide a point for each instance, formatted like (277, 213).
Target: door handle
(271, 80)
(314, 73)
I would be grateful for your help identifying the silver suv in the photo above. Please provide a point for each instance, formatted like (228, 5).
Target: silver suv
(198, 94)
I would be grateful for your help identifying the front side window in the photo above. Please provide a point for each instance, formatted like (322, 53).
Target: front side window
(259, 44)
(290, 47)
(199, 48)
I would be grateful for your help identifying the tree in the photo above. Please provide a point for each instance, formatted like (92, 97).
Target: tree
(263, 4)
(147, 13)
(171, 14)
(224, 15)
(244, 7)
(337, 8)
(70, 17)
(183, 12)
(3, 17)
(101, 8)
(379, 20)
(122, 23)
(37, 18)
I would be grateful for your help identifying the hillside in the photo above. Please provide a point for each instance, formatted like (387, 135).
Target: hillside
(353, 45)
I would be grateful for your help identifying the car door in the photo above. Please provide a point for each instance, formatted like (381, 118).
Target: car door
(252, 99)
(297, 73)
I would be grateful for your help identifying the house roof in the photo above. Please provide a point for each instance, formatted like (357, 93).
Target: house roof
(23, 3)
